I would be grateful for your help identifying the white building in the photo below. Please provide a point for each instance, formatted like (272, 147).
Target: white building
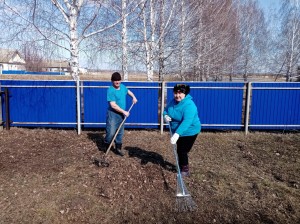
(56, 66)
(11, 60)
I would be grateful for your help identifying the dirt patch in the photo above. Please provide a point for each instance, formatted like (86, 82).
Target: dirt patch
(50, 176)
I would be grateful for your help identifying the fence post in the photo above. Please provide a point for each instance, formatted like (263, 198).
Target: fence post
(78, 106)
(162, 107)
(1, 119)
(249, 89)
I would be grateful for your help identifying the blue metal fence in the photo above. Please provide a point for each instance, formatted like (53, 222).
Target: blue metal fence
(24, 72)
(143, 114)
(275, 106)
(220, 105)
(41, 103)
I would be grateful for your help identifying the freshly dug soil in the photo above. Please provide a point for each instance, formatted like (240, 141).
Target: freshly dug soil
(53, 176)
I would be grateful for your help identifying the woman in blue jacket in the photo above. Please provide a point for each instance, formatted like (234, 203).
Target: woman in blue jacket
(182, 114)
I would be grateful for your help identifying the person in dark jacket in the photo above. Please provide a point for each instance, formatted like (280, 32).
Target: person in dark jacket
(182, 113)
(116, 112)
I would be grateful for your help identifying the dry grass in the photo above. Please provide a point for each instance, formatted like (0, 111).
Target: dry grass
(133, 76)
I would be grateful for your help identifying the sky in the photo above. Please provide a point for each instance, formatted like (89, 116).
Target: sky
(267, 5)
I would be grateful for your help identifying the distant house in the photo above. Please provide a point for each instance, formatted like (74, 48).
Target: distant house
(57, 66)
(11, 60)
(60, 66)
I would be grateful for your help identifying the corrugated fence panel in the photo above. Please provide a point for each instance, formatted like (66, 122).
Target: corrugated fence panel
(275, 106)
(95, 104)
(220, 105)
(41, 103)
(143, 115)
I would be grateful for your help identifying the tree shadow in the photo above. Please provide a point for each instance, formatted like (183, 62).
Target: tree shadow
(152, 157)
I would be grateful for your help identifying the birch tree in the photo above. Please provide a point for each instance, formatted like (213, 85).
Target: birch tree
(34, 61)
(214, 38)
(156, 19)
(187, 14)
(124, 41)
(124, 31)
(290, 37)
(161, 46)
(62, 23)
(253, 38)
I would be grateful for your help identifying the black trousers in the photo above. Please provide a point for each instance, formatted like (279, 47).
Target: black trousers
(184, 146)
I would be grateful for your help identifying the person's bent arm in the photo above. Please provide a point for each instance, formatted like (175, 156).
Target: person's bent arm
(134, 99)
(118, 109)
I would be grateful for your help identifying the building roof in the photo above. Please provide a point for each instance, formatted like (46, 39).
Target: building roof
(56, 64)
(7, 55)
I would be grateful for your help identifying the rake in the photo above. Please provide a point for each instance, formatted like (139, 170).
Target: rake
(184, 201)
(104, 162)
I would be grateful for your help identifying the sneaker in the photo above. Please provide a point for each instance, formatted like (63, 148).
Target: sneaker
(185, 171)
(106, 145)
(185, 174)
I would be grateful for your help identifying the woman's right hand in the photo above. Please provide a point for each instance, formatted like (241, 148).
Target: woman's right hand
(167, 118)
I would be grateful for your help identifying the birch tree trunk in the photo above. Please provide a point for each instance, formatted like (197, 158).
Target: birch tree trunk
(149, 44)
(253, 38)
(66, 24)
(161, 42)
(74, 12)
(182, 40)
(124, 41)
(291, 37)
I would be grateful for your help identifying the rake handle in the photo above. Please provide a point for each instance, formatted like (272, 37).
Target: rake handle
(177, 163)
(112, 141)
(175, 153)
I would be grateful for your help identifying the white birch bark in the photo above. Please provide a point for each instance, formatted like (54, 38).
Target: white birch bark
(182, 39)
(71, 12)
(124, 41)
(153, 37)
(291, 37)
(161, 56)
(74, 12)
(148, 44)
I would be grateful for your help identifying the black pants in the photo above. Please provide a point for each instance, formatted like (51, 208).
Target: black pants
(184, 146)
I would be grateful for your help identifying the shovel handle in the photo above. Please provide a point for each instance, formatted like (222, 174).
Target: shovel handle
(112, 141)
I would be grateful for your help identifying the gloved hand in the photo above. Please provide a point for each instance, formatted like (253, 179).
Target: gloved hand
(167, 118)
(174, 138)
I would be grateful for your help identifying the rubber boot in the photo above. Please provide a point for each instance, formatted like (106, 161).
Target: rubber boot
(184, 170)
(106, 145)
(119, 149)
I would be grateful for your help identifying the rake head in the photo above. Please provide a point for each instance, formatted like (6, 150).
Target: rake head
(185, 204)
(184, 201)
(101, 163)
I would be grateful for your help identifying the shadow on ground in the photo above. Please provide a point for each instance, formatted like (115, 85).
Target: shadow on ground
(150, 157)
(99, 140)
(143, 155)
